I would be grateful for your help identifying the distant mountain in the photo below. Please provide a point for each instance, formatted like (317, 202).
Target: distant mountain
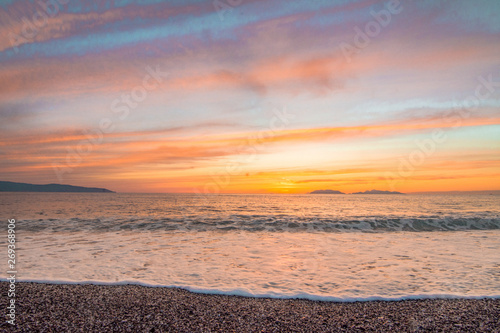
(485, 192)
(326, 192)
(24, 187)
(378, 192)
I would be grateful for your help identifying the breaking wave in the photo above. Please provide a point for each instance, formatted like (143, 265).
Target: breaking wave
(256, 223)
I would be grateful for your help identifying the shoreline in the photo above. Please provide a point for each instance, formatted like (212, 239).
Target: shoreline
(93, 308)
(242, 293)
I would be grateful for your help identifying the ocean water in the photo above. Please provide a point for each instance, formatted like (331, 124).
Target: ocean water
(324, 247)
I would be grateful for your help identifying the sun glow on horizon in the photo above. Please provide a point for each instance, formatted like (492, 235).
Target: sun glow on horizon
(267, 98)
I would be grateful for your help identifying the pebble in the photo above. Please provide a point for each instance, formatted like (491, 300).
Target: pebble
(132, 308)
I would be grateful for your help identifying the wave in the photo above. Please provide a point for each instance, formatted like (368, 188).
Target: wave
(247, 293)
(256, 223)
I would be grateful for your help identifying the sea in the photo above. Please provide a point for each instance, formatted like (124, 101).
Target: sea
(329, 247)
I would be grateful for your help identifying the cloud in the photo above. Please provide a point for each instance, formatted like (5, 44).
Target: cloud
(60, 24)
(159, 147)
(83, 58)
(14, 114)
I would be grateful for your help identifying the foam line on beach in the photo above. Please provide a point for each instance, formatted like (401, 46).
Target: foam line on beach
(246, 293)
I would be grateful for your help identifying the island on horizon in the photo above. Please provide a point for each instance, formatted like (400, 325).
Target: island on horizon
(326, 192)
(365, 192)
(25, 187)
(378, 192)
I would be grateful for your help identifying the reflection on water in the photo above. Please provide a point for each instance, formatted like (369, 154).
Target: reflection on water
(268, 245)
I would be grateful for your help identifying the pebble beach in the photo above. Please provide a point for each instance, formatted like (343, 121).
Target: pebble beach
(131, 308)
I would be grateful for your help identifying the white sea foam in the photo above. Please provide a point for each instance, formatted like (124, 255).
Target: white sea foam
(254, 223)
(325, 266)
(246, 293)
(326, 248)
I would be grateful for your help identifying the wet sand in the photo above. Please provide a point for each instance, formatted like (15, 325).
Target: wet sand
(131, 308)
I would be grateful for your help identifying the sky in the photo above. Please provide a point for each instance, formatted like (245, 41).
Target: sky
(251, 96)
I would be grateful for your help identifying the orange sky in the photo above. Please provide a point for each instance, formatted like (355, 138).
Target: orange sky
(258, 99)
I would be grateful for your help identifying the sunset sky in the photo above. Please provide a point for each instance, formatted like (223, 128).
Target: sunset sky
(247, 96)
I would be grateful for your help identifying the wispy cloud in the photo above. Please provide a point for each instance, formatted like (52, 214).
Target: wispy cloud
(60, 78)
